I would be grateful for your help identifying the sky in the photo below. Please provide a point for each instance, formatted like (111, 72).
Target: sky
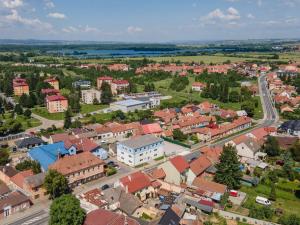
(149, 20)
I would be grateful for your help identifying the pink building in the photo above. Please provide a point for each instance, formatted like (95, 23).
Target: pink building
(119, 86)
(106, 79)
(56, 103)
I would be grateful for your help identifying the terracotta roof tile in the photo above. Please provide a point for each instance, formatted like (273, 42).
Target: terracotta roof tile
(179, 163)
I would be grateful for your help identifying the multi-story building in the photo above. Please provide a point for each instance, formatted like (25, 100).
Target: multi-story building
(20, 87)
(79, 169)
(119, 86)
(56, 103)
(140, 149)
(84, 84)
(53, 82)
(88, 96)
(106, 79)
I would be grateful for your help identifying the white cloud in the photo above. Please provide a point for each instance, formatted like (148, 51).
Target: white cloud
(133, 29)
(250, 16)
(57, 15)
(49, 4)
(14, 17)
(11, 4)
(231, 14)
(81, 29)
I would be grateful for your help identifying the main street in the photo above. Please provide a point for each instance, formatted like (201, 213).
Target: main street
(40, 217)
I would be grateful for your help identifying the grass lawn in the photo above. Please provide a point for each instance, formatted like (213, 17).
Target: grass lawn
(87, 108)
(43, 112)
(284, 199)
(28, 123)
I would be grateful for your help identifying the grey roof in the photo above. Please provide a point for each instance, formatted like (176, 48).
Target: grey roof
(129, 102)
(193, 155)
(291, 125)
(141, 141)
(253, 145)
(169, 218)
(23, 143)
(36, 180)
(8, 170)
(197, 205)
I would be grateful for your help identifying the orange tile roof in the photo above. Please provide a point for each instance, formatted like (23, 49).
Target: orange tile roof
(81, 144)
(19, 178)
(210, 186)
(199, 165)
(152, 128)
(135, 181)
(180, 163)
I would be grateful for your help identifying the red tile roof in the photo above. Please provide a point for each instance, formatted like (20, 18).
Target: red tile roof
(179, 163)
(19, 178)
(49, 91)
(260, 133)
(199, 165)
(81, 144)
(55, 98)
(105, 217)
(152, 128)
(210, 186)
(105, 78)
(135, 181)
(120, 82)
(158, 173)
(51, 80)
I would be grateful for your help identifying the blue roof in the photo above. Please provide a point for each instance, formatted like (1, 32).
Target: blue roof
(47, 154)
(129, 102)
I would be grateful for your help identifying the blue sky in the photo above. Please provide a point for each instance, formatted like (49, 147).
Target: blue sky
(149, 20)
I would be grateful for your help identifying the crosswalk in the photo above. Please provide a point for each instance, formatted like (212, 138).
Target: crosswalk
(31, 221)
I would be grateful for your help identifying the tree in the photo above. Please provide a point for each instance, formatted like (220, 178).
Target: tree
(29, 164)
(95, 101)
(178, 135)
(66, 210)
(272, 195)
(291, 219)
(56, 184)
(68, 119)
(295, 151)
(4, 157)
(249, 107)
(271, 146)
(234, 96)
(288, 165)
(106, 94)
(27, 113)
(18, 109)
(228, 169)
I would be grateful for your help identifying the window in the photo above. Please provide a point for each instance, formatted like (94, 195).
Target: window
(6, 212)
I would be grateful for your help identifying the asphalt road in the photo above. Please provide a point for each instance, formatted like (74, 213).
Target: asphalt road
(270, 118)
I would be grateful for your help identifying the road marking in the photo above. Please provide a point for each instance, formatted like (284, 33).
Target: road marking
(32, 220)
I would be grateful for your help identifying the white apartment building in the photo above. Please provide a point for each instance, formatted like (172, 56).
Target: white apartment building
(88, 96)
(139, 150)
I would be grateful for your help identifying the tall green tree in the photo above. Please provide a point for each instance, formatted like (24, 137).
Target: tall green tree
(106, 94)
(228, 169)
(271, 146)
(66, 210)
(4, 157)
(291, 219)
(295, 151)
(68, 119)
(56, 184)
(18, 109)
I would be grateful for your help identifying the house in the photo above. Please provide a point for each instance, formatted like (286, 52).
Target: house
(17, 181)
(138, 184)
(129, 105)
(202, 205)
(106, 79)
(248, 149)
(119, 86)
(286, 108)
(53, 82)
(215, 190)
(198, 86)
(12, 203)
(60, 137)
(90, 96)
(83, 84)
(260, 134)
(108, 217)
(197, 167)
(290, 127)
(212, 153)
(118, 199)
(20, 86)
(33, 186)
(118, 67)
(4, 190)
(79, 169)
(6, 173)
(153, 128)
(169, 218)
(48, 154)
(286, 142)
(56, 103)
(29, 142)
(140, 149)
(176, 170)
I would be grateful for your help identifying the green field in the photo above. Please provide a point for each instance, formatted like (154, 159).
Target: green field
(43, 112)
(285, 200)
(26, 123)
(88, 108)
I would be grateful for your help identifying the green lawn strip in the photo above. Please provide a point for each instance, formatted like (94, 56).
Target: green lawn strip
(43, 112)
(88, 108)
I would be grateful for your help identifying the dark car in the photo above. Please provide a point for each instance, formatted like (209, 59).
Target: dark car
(104, 187)
(111, 163)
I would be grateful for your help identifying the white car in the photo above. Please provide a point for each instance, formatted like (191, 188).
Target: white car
(263, 201)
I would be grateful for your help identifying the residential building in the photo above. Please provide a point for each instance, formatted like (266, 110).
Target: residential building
(248, 149)
(50, 91)
(88, 96)
(56, 103)
(84, 84)
(53, 82)
(106, 79)
(153, 128)
(28, 142)
(210, 188)
(198, 86)
(108, 217)
(12, 203)
(33, 186)
(118, 67)
(119, 86)
(79, 169)
(140, 149)
(170, 217)
(290, 127)
(20, 86)
(6, 173)
(197, 167)
(176, 170)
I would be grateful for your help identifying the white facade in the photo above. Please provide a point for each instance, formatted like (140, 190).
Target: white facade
(88, 96)
(134, 156)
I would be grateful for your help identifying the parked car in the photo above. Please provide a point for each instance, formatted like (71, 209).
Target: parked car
(104, 187)
(263, 201)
